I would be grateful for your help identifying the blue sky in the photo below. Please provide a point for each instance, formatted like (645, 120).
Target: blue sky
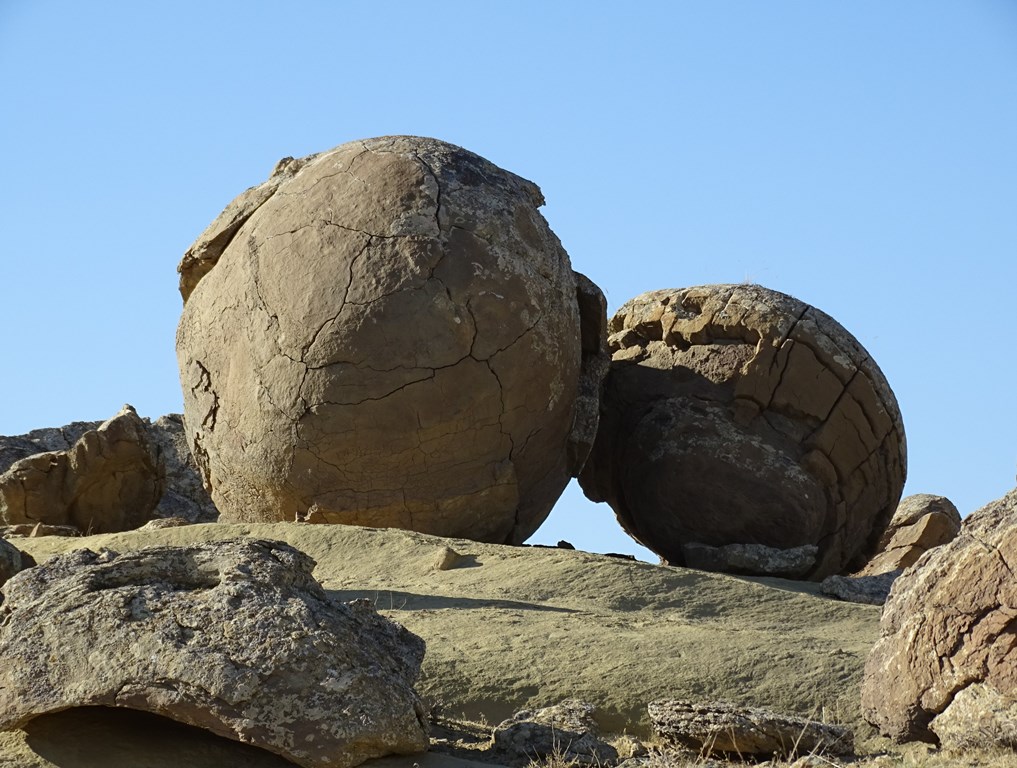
(859, 155)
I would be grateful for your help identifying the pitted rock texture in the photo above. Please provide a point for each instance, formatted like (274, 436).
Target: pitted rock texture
(12, 561)
(921, 522)
(183, 495)
(234, 636)
(567, 729)
(751, 559)
(734, 414)
(109, 480)
(720, 727)
(389, 334)
(947, 650)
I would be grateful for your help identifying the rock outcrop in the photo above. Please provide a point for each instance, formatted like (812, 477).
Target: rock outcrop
(389, 334)
(727, 729)
(946, 657)
(160, 444)
(566, 731)
(870, 590)
(235, 637)
(921, 522)
(107, 481)
(734, 414)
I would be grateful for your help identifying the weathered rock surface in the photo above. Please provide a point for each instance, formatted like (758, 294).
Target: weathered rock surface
(871, 590)
(510, 628)
(734, 414)
(567, 730)
(236, 637)
(724, 728)
(921, 522)
(751, 559)
(389, 334)
(183, 494)
(950, 626)
(107, 481)
(12, 561)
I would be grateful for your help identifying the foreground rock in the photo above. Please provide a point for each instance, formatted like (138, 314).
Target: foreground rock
(921, 522)
(109, 480)
(566, 730)
(946, 659)
(235, 637)
(159, 448)
(734, 414)
(727, 729)
(389, 334)
(510, 628)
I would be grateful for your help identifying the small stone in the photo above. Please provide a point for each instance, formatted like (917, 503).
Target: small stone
(446, 559)
(565, 730)
(869, 590)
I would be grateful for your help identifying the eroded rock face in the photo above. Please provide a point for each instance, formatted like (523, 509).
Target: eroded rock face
(720, 727)
(235, 637)
(161, 444)
(109, 480)
(734, 414)
(389, 334)
(921, 522)
(947, 651)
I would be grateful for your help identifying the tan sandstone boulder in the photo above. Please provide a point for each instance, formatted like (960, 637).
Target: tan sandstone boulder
(108, 480)
(234, 636)
(921, 522)
(945, 665)
(734, 414)
(389, 334)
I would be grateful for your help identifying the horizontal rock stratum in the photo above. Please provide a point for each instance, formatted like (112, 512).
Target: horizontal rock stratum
(389, 333)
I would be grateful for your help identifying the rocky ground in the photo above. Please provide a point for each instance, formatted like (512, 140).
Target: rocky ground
(509, 628)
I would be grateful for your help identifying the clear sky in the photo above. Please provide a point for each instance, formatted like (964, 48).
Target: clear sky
(860, 155)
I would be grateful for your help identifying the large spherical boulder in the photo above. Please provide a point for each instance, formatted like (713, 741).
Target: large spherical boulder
(734, 414)
(389, 334)
(945, 665)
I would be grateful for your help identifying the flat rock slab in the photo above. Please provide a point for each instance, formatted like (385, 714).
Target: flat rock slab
(232, 636)
(724, 728)
(511, 628)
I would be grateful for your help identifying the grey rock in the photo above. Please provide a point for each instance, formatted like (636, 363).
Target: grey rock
(725, 728)
(751, 559)
(871, 590)
(389, 334)
(979, 715)
(235, 637)
(185, 495)
(567, 730)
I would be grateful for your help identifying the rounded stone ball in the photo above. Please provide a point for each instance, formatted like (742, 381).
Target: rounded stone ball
(734, 414)
(387, 334)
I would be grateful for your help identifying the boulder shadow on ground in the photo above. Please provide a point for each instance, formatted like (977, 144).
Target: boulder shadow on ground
(395, 600)
(90, 737)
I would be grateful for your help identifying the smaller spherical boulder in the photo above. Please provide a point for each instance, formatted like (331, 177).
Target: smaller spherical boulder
(734, 414)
